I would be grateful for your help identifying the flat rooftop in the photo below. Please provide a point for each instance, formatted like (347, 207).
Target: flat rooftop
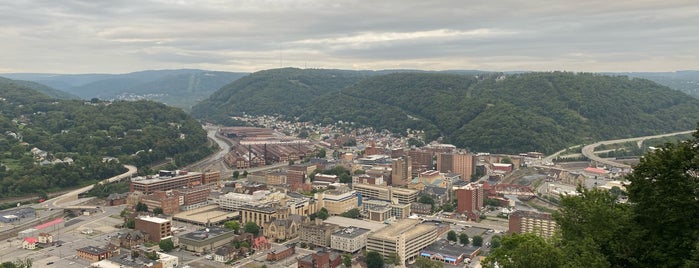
(154, 219)
(410, 227)
(202, 215)
(207, 233)
(347, 222)
(350, 232)
(445, 249)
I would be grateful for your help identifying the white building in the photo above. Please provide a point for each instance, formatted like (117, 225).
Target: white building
(350, 239)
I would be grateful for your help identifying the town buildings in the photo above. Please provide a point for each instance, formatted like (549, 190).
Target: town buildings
(401, 171)
(320, 259)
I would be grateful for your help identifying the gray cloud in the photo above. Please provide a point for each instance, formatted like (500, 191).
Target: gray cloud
(75, 36)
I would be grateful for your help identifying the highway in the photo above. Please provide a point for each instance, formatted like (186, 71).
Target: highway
(589, 150)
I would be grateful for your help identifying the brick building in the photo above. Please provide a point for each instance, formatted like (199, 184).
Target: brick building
(320, 259)
(469, 200)
(156, 228)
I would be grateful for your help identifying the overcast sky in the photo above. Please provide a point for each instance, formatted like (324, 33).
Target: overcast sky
(119, 36)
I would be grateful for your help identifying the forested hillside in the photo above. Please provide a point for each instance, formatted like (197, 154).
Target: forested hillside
(46, 90)
(488, 112)
(280, 91)
(49, 144)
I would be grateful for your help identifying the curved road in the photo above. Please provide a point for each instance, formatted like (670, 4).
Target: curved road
(589, 150)
(73, 195)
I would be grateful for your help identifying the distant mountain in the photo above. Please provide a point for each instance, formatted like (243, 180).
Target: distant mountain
(180, 88)
(484, 112)
(48, 91)
(685, 81)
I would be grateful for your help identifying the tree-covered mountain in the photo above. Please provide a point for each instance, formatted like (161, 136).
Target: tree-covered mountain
(278, 91)
(685, 81)
(486, 112)
(49, 144)
(51, 92)
(180, 88)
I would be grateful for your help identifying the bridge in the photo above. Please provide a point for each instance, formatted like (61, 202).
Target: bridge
(589, 150)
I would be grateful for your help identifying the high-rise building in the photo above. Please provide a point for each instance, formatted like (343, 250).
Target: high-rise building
(401, 171)
(538, 223)
(460, 163)
(421, 160)
(469, 199)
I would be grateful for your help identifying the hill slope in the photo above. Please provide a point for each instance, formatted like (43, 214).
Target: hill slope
(139, 133)
(48, 91)
(180, 88)
(279, 91)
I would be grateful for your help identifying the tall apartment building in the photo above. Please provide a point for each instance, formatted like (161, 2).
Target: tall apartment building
(401, 171)
(469, 199)
(387, 193)
(459, 163)
(148, 185)
(405, 238)
(156, 228)
(541, 224)
(420, 160)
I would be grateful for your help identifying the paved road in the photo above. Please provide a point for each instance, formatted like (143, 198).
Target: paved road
(588, 151)
(73, 195)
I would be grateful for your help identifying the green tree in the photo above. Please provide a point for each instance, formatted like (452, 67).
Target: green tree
(596, 223)
(347, 259)
(393, 258)
(321, 153)
(374, 260)
(495, 241)
(477, 241)
(463, 239)
(236, 174)
(423, 262)
(232, 225)
(166, 245)
(141, 207)
(352, 213)
(157, 211)
(245, 173)
(664, 192)
(451, 236)
(131, 223)
(524, 250)
(251, 227)
(323, 214)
